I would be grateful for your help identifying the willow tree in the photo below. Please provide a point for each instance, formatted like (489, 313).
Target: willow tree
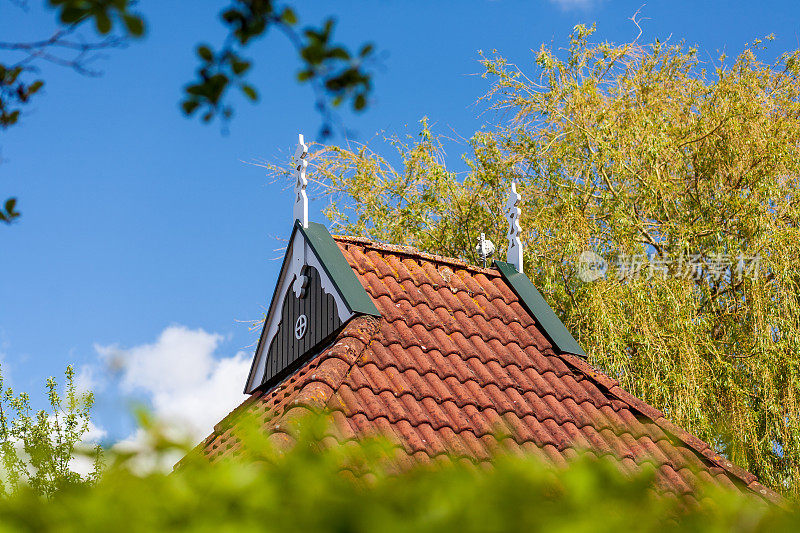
(627, 150)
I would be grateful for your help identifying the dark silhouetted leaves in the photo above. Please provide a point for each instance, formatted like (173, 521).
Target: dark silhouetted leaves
(360, 102)
(288, 16)
(8, 212)
(102, 22)
(336, 74)
(239, 66)
(134, 25)
(205, 53)
(105, 14)
(250, 92)
(16, 88)
(14, 93)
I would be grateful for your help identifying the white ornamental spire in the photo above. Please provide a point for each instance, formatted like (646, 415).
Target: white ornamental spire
(514, 255)
(301, 182)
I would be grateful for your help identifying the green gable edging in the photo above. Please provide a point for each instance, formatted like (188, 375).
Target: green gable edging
(338, 270)
(555, 330)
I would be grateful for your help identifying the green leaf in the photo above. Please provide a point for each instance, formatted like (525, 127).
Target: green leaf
(12, 118)
(72, 14)
(134, 24)
(250, 92)
(35, 86)
(8, 213)
(230, 16)
(197, 89)
(339, 53)
(102, 22)
(205, 53)
(239, 66)
(360, 102)
(366, 50)
(190, 106)
(288, 16)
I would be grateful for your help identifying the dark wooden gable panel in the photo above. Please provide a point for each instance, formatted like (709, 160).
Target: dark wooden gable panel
(322, 322)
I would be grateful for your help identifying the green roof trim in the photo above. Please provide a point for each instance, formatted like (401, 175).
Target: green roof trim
(338, 269)
(537, 306)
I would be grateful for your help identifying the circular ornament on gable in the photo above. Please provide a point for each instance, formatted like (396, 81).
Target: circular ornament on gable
(300, 327)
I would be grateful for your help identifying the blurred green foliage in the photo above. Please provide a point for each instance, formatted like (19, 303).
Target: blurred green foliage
(349, 486)
(354, 487)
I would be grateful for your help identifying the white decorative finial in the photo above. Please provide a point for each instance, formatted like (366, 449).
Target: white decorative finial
(514, 255)
(301, 182)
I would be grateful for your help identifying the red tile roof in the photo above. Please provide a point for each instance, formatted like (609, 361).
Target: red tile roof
(453, 359)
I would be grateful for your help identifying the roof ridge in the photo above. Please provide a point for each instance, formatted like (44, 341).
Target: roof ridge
(411, 252)
(700, 447)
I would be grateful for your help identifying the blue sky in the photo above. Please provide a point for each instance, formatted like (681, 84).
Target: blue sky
(148, 239)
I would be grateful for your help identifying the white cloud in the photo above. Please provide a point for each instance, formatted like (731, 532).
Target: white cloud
(88, 380)
(188, 386)
(567, 5)
(94, 435)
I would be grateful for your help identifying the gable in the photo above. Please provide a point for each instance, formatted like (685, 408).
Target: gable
(316, 294)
